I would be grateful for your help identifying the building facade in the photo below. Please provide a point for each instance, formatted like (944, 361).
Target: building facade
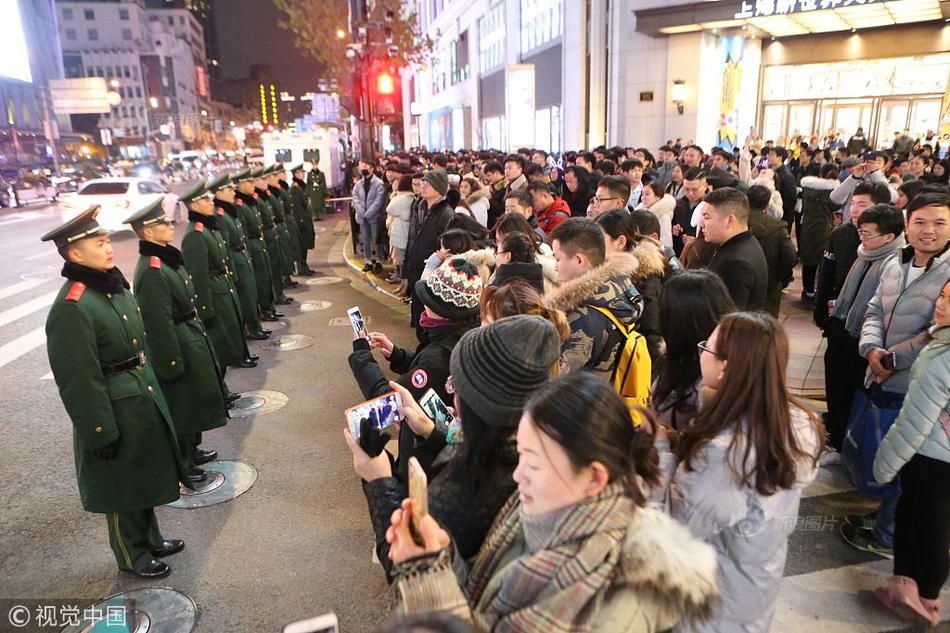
(560, 74)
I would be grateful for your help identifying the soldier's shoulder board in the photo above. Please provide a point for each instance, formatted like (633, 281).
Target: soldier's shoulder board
(239, 202)
(200, 227)
(220, 211)
(75, 292)
(155, 262)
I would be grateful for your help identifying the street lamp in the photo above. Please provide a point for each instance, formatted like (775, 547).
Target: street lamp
(153, 102)
(340, 34)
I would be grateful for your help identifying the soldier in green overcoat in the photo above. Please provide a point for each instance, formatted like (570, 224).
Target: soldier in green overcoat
(316, 190)
(301, 206)
(262, 199)
(250, 217)
(217, 300)
(283, 234)
(178, 344)
(124, 442)
(233, 231)
(290, 220)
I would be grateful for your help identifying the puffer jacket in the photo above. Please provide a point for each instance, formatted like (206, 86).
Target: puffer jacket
(484, 260)
(818, 218)
(479, 203)
(594, 342)
(400, 209)
(663, 210)
(898, 317)
(368, 206)
(749, 531)
(918, 428)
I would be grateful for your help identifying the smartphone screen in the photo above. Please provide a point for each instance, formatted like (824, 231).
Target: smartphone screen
(326, 623)
(432, 404)
(356, 320)
(419, 494)
(382, 412)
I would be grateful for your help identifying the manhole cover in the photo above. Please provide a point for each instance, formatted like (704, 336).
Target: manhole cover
(247, 404)
(270, 401)
(288, 343)
(214, 481)
(47, 272)
(154, 610)
(237, 478)
(313, 306)
(323, 281)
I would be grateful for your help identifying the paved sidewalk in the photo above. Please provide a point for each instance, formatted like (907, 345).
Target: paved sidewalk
(806, 369)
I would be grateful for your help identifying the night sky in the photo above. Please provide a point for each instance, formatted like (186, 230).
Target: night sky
(248, 34)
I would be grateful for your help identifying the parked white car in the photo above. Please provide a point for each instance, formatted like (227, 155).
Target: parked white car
(117, 198)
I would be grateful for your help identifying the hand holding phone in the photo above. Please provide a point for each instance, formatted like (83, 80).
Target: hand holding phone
(889, 361)
(419, 494)
(378, 340)
(358, 322)
(381, 413)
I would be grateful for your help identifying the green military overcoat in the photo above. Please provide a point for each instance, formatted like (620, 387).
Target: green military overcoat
(254, 232)
(317, 191)
(298, 196)
(217, 303)
(262, 199)
(94, 323)
(290, 221)
(232, 229)
(283, 234)
(178, 344)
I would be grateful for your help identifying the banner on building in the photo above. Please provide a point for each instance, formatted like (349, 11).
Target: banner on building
(731, 51)
(80, 96)
(944, 132)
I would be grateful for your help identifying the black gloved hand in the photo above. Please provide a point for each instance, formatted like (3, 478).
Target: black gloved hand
(107, 452)
(371, 440)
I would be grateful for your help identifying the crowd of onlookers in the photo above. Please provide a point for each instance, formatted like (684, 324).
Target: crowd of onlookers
(544, 290)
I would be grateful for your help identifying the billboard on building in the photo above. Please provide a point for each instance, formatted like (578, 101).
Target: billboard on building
(519, 105)
(14, 58)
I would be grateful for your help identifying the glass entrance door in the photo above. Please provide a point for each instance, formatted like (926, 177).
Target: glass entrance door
(924, 117)
(892, 118)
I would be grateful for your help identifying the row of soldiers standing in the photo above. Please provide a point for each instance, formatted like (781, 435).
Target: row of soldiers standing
(142, 377)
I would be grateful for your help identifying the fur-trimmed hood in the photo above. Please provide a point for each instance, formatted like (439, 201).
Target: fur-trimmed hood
(822, 184)
(651, 261)
(661, 558)
(662, 208)
(600, 286)
(483, 259)
(478, 194)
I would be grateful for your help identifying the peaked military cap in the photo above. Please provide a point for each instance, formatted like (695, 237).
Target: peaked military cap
(80, 227)
(244, 174)
(296, 168)
(257, 173)
(194, 192)
(221, 181)
(152, 213)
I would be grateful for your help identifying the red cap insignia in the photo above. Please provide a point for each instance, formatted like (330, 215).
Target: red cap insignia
(75, 293)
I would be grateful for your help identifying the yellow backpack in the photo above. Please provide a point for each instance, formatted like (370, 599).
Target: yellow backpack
(632, 376)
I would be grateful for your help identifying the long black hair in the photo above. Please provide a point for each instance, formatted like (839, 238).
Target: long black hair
(591, 422)
(481, 450)
(691, 305)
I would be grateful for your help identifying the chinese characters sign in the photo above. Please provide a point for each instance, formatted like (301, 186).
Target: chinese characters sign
(766, 8)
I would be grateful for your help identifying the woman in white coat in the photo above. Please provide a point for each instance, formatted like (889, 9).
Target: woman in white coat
(477, 198)
(661, 204)
(742, 465)
(399, 209)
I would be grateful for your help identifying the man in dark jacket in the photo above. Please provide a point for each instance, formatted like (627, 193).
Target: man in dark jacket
(498, 186)
(776, 245)
(739, 260)
(694, 188)
(843, 246)
(434, 215)
(784, 184)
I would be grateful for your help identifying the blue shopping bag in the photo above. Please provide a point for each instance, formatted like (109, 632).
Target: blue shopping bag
(868, 423)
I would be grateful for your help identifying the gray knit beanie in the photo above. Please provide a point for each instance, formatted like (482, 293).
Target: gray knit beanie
(496, 368)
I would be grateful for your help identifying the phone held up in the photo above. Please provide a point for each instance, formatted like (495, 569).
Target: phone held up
(437, 411)
(381, 412)
(358, 322)
(419, 494)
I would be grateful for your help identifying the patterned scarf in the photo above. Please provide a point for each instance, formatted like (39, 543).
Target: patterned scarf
(560, 587)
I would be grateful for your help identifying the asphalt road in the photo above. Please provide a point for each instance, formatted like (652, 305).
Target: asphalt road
(297, 544)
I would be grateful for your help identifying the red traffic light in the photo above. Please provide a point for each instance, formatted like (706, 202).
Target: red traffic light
(385, 84)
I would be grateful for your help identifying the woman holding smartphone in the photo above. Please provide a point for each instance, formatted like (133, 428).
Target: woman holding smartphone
(575, 548)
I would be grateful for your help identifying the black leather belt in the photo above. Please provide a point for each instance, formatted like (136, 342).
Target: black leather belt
(239, 248)
(188, 316)
(278, 222)
(268, 227)
(131, 363)
(255, 237)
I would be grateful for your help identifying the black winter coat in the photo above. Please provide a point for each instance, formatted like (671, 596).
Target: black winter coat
(741, 265)
(426, 240)
(839, 256)
(785, 185)
(780, 256)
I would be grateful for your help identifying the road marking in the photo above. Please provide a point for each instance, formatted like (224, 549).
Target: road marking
(11, 315)
(41, 255)
(47, 376)
(9, 291)
(20, 346)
